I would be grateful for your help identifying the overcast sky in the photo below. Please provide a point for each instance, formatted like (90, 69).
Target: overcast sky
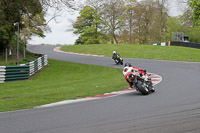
(59, 29)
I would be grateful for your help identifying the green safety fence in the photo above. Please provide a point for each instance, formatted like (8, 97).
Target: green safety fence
(163, 44)
(22, 72)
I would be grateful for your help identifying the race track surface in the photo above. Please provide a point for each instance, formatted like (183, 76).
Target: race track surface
(173, 108)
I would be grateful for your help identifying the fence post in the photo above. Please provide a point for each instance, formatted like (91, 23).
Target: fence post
(6, 56)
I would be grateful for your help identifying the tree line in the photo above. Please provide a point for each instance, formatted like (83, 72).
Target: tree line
(100, 21)
(132, 21)
(29, 15)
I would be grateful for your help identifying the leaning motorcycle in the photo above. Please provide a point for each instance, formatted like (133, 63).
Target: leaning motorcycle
(142, 82)
(118, 60)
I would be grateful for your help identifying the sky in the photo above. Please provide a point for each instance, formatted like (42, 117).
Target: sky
(60, 28)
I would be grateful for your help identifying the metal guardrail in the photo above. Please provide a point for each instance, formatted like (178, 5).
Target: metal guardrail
(177, 43)
(22, 72)
(163, 44)
(185, 44)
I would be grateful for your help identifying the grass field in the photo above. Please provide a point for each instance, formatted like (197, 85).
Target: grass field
(139, 51)
(66, 80)
(60, 81)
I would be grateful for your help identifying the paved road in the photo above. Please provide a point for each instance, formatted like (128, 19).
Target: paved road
(173, 108)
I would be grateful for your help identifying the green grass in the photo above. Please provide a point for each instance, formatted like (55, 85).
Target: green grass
(60, 81)
(139, 51)
(10, 62)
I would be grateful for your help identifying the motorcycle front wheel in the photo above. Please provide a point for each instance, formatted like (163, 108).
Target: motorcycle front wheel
(142, 88)
(150, 86)
(121, 61)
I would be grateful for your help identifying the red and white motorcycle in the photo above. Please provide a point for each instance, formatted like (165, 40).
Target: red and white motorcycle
(139, 79)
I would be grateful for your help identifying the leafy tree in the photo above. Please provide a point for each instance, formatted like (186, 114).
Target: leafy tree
(144, 16)
(185, 24)
(194, 33)
(174, 24)
(195, 5)
(98, 5)
(160, 20)
(11, 13)
(33, 27)
(189, 26)
(129, 20)
(88, 25)
(150, 18)
(113, 15)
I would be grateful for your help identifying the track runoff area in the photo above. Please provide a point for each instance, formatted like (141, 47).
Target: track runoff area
(154, 77)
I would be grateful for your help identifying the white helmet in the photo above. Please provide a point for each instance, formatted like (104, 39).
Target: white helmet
(114, 52)
(127, 70)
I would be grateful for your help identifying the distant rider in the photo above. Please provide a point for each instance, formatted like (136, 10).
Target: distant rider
(115, 55)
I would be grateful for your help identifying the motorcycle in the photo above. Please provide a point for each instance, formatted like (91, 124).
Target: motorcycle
(142, 82)
(118, 60)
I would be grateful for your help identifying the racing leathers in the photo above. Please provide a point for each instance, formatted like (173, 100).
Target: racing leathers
(128, 72)
(115, 56)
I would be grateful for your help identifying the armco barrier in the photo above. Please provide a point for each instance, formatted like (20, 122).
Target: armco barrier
(177, 43)
(22, 72)
(163, 44)
(185, 44)
(13, 73)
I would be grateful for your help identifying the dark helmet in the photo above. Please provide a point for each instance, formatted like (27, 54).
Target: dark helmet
(128, 64)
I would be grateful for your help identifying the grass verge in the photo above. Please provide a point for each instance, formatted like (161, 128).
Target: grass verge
(59, 81)
(139, 51)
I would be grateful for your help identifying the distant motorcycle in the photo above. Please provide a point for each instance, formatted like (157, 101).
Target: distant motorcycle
(142, 82)
(117, 58)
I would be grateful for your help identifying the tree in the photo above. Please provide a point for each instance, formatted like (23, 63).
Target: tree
(88, 25)
(195, 5)
(190, 27)
(149, 23)
(174, 24)
(113, 15)
(96, 4)
(144, 20)
(33, 27)
(129, 20)
(161, 18)
(57, 3)
(12, 12)
(183, 23)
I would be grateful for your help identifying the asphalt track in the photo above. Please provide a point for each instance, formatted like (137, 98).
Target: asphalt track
(173, 108)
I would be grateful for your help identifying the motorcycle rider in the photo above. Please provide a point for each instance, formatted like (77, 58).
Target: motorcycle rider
(115, 55)
(130, 71)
